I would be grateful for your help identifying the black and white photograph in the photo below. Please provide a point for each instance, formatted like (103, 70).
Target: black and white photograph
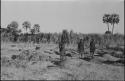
(62, 40)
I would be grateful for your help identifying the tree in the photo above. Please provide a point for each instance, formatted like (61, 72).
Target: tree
(12, 29)
(9, 28)
(32, 31)
(14, 25)
(36, 27)
(107, 19)
(114, 20)
(26, 25)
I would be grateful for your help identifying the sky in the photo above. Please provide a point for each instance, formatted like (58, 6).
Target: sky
(84, 16)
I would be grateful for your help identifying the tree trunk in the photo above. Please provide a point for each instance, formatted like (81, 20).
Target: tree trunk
(112, 28)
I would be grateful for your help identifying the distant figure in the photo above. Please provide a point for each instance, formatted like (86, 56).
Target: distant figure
(81, 47)
(92, 47)
(61, 50)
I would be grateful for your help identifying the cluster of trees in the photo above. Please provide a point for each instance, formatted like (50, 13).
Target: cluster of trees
(14, 34)
(111, 19)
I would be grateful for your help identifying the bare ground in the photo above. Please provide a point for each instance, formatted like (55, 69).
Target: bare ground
(73, 68)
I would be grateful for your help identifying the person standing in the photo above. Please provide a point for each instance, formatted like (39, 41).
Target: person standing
(81, 47)
(61, 50)
(92, 48)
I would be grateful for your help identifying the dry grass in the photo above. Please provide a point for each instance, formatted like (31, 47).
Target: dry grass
(42, 66)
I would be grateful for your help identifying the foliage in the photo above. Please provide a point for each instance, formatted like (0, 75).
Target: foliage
(108, 32)
(14, 24)
(12, 34)
(107, 19)
(36, 28)
(26, 25)
(112, 19)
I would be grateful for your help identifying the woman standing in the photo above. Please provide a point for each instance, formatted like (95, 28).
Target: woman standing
(92, 47)
(81, 47)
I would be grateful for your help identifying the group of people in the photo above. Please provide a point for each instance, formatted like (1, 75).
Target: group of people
(80, 48)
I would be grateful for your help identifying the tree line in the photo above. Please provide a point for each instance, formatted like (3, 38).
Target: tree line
(13, 34)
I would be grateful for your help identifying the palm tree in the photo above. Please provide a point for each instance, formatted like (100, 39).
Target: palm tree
(26, 25)
(114, 20)
(36, 28)
(107, 19)
(32, 34)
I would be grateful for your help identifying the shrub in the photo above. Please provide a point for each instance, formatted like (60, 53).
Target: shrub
(108, 32)
(5, 61)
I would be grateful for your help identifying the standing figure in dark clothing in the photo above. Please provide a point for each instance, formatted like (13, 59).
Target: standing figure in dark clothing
(62, 50)
(92, 48)
(81, 47)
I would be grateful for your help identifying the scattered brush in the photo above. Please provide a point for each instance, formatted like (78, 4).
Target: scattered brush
(122, 61)
(118, 54)
(13, 57)
(13, 45)
(20, 49)
(37, 48)
(56, 52)
(48, 52)
(69, 55)
(5, 61)
(114, 47)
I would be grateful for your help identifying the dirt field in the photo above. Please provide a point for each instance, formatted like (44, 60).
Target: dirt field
(104, 66)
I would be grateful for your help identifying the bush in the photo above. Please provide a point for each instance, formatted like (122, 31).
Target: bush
(108, 32)
(5, 61)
